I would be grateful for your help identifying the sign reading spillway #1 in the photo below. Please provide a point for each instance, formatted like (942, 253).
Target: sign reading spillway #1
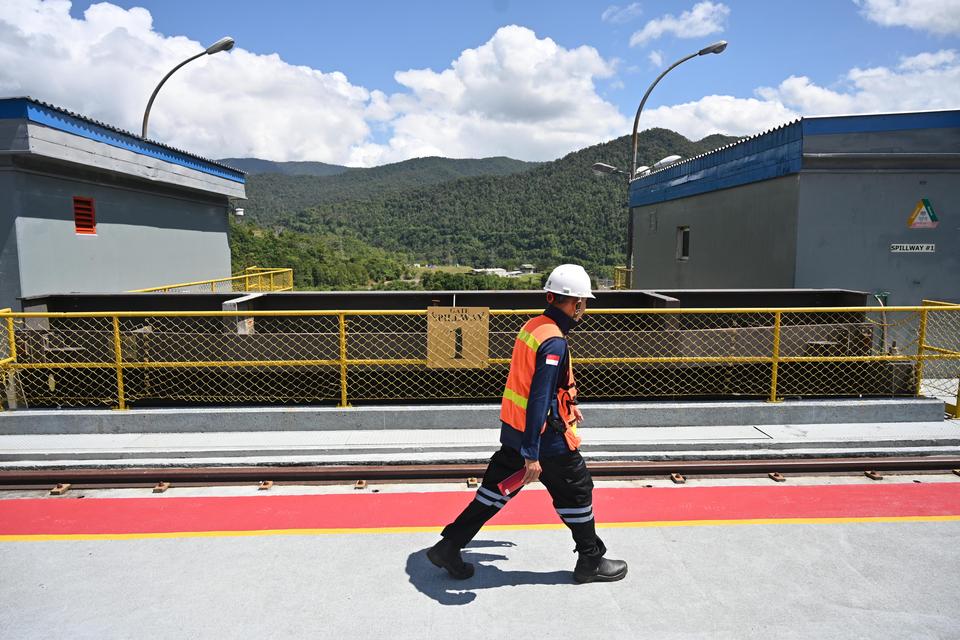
(923, 216)
(458, 337)
(913, 248)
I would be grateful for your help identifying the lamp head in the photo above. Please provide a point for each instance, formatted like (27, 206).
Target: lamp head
(600, 169)
(663, 162)
(716, 47)
(223, 44)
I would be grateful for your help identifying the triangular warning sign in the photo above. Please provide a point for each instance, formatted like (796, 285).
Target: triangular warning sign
(923, 216)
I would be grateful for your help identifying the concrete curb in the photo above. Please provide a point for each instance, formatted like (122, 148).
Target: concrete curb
(599, 414)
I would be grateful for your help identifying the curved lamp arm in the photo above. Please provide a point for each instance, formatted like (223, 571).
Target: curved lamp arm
(223, 44)
(716, 47)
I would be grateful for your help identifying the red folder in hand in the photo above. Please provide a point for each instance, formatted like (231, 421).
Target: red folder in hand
(512, 483)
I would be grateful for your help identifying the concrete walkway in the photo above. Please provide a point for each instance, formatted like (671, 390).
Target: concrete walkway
(834, 579)
(396, 446)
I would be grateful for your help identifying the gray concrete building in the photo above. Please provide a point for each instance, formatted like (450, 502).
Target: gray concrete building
(866, 202)
(85, 207)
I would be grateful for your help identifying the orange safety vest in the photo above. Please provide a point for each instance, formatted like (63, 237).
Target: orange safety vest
(513, 408)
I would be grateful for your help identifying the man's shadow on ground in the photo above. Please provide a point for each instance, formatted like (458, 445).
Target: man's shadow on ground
(437, 584)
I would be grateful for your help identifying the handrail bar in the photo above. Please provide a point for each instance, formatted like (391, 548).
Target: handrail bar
(413, 312)
(254, 272)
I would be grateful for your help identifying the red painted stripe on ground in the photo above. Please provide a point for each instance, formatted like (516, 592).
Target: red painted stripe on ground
(255, 513)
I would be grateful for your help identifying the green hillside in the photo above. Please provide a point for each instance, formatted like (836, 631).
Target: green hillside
(276, 193)
(320, 261)
(555, 212)
(255, 166)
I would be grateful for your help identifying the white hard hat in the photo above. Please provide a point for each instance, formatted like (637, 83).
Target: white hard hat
(569, 280)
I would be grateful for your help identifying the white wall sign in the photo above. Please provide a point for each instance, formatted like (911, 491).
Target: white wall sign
(913, 248)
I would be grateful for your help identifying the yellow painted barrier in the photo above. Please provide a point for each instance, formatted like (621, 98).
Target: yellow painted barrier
(110, 359)
(251, 280)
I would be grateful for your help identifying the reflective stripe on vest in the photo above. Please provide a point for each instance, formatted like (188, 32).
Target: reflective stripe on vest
(513, 408)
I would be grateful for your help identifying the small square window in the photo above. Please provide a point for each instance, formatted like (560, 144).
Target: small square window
(84, 216)
(683, 243)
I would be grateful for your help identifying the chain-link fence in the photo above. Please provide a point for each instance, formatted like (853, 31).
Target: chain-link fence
(941, 375)
(7, 354)
(6, 335)
(330, 357)
(253, 279)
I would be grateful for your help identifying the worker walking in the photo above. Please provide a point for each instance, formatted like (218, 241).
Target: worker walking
(539, 434)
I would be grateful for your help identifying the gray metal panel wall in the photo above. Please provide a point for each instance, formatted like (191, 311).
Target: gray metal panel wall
(848, 220)
(142, 239)
(739, 237)
(927, 141)
(9, 268)
(66, 147)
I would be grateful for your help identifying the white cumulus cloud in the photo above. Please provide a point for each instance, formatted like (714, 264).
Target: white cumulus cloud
(924, 81)
(718, 114)
(106, 64)
(926, 61)
(703, 19)
(618, 15)
(941, 17)
(516, 95)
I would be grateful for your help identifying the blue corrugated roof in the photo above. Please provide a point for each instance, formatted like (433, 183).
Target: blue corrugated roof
(27, 108)
(820, 125)
(770, 154)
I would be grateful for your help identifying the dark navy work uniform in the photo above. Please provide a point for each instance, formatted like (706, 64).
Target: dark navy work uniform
(564, 474)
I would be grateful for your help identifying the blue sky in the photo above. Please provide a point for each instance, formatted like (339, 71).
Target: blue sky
(375, 82)
(769, 40)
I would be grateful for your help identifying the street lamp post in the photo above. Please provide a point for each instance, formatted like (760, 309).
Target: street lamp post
(716, 47)
(223, 44)
(600, 168)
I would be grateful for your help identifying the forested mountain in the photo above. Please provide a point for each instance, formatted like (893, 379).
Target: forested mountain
(273, 195)
(255, 166)
(555, 212)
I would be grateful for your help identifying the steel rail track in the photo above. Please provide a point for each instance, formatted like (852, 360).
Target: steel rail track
(146, 476)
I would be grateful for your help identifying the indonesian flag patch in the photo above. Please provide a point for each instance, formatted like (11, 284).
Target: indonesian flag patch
(553, 361)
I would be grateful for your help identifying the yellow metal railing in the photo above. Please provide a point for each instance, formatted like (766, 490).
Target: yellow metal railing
(251, 280)
(948, 344)
(8, 352)
(343, 357)
(621, 278)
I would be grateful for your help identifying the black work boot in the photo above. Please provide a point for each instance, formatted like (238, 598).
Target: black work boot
(599, 569)
(446, 555)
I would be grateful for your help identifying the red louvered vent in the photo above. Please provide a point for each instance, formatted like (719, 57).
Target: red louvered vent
(85, 216)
